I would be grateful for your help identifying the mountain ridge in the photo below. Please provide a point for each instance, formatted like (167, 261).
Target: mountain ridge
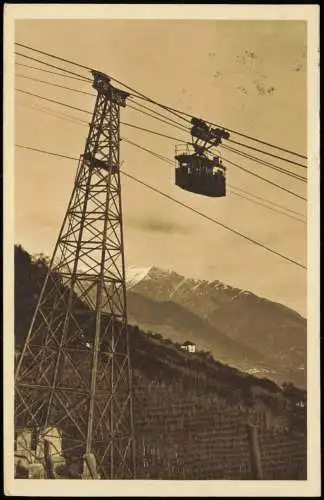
(276, 334)
(155, 270)
(154, 357)
(237, 327)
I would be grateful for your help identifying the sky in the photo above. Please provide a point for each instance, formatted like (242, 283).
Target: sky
(249, 76)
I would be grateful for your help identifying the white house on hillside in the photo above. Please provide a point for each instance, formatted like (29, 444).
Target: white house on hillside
(189, 346)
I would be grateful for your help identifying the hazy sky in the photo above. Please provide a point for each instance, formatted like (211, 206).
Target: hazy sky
(249, 76)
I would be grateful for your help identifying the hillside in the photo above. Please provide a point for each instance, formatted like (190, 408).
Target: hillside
(180, 324)
(190, 410)
(238, 328)
(153, 357)
(266, 336)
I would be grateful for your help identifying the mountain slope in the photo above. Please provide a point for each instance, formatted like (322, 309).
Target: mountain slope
(238, 328)
(180, 324)
(274, 333)
(153, 358)
(190, 411)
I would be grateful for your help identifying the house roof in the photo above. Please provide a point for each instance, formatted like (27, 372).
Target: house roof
(187, 342)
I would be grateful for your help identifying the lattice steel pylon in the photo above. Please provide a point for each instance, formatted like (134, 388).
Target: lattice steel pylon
(74, 372)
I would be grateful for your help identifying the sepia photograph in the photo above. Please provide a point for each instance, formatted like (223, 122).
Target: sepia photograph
(161, 173)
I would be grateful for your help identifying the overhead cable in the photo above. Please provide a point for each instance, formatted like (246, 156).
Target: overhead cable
(201, 214)
(180, 114)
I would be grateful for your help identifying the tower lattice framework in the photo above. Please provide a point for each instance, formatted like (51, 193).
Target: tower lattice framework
(74, 372)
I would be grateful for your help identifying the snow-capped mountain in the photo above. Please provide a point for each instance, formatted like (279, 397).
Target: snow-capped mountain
(136, 274)
(163, 285)
(237, 326)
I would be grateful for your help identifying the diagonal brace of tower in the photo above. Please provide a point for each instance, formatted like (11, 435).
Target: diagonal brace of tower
(74, 372)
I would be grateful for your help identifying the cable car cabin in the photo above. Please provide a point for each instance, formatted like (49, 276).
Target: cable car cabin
(201, 175)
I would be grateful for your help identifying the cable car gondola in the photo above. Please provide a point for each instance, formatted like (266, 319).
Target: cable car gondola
(197, 170)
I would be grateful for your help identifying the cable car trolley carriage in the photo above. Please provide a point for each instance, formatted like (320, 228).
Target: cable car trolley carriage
(197, 170)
